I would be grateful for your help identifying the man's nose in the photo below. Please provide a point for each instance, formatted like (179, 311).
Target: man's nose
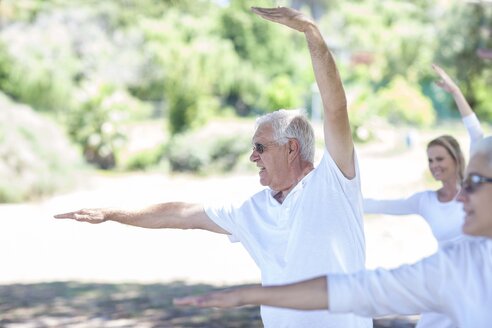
(254, 156)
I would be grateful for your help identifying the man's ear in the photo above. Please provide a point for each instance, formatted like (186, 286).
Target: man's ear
(294, 148)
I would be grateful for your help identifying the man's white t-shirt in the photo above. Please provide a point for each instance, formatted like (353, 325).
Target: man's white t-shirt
(318, 229)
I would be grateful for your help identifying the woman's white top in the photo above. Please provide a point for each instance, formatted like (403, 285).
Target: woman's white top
(444, 218)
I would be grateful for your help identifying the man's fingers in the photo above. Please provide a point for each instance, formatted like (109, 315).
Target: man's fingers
(69, 215)
(81, 215)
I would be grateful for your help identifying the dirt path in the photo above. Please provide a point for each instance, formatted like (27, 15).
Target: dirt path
(35, 247)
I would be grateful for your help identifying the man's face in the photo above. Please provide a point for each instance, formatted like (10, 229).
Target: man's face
(476, 197)
(271, 158)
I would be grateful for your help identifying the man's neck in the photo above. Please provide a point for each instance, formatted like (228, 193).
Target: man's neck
(281, 195)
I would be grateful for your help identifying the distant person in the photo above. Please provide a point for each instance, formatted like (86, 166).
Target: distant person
(309, 220)
(439, 208)
(456, 281)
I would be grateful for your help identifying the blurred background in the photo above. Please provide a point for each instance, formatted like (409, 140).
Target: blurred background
(133, 102)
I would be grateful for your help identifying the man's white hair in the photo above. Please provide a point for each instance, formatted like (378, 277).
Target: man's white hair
(484, 147)
(291, 124)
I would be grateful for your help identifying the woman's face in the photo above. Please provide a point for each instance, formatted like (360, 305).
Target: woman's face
(441, 164)
(476, 197)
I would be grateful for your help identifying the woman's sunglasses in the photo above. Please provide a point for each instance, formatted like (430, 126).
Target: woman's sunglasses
(473, 182)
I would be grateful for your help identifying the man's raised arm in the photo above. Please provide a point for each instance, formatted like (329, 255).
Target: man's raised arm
(338, 137)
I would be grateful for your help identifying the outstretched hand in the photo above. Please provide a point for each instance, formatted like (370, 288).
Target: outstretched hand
(224, 299)
(445, 82)
(286, 16)
(85, 215)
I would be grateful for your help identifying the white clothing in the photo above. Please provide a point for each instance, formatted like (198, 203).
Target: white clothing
(317, 229)
(444, 218)
(475, 132)
(456, 281)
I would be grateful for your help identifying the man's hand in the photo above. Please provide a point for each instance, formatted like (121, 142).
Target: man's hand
(85, 215)
(309, 294)
(286, 16)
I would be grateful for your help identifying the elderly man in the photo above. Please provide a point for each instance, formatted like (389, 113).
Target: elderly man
(456, 281)
(309, 221)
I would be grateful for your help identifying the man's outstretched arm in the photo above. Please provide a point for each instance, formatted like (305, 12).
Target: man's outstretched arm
(338, 137)
(173, 215)
(306, 295)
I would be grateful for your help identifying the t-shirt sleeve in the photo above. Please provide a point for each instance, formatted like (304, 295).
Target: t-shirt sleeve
(349, 186)
(223, 216)
(409, 289)
(405, 206)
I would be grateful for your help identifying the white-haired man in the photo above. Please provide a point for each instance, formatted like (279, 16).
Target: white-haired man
(309, 220)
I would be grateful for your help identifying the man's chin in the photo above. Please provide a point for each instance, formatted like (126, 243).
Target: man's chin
(468, 228)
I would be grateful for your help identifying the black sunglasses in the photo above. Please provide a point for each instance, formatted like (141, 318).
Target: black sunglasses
(473, 182)
(260, 148)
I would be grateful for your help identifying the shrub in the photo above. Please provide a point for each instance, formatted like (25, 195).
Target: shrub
(144, 159)
(401, 102)
(96, 123)
(207, 150)
(483, 96)
(37, 159)
(361, 112)
(281, 93)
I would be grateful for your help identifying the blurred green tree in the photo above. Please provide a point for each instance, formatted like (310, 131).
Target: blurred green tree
(463, 28)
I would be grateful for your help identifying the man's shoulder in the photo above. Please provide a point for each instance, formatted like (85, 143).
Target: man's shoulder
(468, 247)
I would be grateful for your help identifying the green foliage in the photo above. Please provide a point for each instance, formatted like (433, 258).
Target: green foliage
(460, 34)
(483, 96)
(361, 111)
(144, 159)
(96, 123)
(21, 10)
(402, 102)
(195, 68)
(30, 69)
(269, 51)
(397, 37)
(37, 159)
(462, 30)
(207, 150)
(43, 63)
(272, 48)
(281, 93)
(199, 59)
